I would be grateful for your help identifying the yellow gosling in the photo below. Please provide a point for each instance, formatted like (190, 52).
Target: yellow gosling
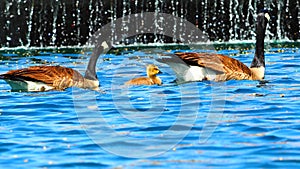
(151, 78)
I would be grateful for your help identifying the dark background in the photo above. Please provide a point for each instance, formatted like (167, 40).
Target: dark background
(71, 22)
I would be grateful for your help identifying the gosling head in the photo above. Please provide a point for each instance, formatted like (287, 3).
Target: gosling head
(152, 70)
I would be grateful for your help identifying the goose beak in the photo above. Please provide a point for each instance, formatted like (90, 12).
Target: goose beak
(159, 72)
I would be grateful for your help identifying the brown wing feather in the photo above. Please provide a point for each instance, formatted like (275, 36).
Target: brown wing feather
(232, 68)
(56, 76)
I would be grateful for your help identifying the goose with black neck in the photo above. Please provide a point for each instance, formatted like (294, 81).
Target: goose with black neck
(191, 66)
(45, 78)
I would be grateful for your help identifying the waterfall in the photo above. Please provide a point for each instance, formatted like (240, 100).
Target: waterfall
(71, 22)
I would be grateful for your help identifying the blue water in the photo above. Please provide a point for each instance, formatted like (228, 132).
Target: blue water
(235, 124)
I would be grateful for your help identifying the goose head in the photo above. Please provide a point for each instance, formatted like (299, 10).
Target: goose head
(263, 18)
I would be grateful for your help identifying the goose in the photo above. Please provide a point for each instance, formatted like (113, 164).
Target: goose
(192, 66)
(45, 78)
(151, 78)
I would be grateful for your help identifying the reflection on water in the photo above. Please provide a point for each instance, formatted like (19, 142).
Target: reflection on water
(258, 127)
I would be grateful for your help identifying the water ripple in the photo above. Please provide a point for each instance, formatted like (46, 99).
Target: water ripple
(258, 127)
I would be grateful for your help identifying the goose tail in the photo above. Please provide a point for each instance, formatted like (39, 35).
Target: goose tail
(15, 84)
(182, 70)
(2, 76)
(7, 77)
(176, 64)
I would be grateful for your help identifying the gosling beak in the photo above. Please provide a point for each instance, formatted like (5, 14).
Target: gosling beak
(159, 72)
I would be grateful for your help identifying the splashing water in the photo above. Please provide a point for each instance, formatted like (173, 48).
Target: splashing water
(71, 23)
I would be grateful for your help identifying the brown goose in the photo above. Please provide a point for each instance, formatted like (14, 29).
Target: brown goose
(151, 78)
(190, 66)
(45, 78)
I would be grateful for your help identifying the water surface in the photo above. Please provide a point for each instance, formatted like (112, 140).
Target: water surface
(257, 123)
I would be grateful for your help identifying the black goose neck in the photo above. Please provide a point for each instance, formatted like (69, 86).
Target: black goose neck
(90, 72)
(259, 58)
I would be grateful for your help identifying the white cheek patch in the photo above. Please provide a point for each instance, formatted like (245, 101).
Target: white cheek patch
(104, 45)
(267, 16)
